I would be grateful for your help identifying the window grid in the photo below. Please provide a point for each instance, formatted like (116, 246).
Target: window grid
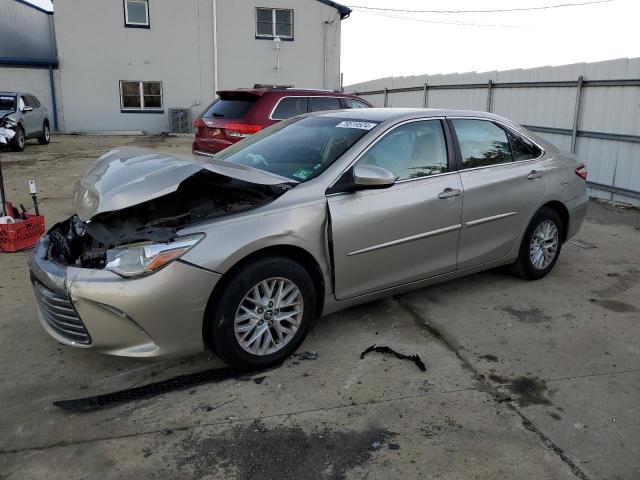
(128, 21)
(140, 95)
(277, 25)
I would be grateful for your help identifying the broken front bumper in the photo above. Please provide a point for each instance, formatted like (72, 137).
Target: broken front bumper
(6, 134)
(156, 315)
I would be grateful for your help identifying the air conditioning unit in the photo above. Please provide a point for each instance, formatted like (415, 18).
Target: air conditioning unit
(179, 120)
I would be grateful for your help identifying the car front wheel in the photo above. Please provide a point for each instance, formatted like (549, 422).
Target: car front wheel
(540, 245)
(17, 142)
(262, 314)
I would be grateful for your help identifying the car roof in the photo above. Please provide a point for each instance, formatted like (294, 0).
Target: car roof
(16, 93)
(285, 91)
(384, 114)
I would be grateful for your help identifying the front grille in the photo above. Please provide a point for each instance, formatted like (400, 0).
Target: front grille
(60, 315)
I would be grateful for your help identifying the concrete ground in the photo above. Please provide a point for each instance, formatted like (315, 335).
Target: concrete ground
(524, 380)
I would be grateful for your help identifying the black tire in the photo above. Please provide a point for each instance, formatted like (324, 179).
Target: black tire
(45, 137)
(524, 267)
(219, 332)
(18, 140)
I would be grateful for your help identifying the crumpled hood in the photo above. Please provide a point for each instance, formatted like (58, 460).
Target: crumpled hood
(129, 176)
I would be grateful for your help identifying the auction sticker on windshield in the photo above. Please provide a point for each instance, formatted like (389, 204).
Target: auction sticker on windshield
(302, 173)
(359, 125)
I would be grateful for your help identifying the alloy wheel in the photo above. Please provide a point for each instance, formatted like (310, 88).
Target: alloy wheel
(268, 316)
(544, 244)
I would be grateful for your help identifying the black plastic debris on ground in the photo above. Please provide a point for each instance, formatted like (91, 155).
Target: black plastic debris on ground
(180, 382)
(306, 355)
(389, 351)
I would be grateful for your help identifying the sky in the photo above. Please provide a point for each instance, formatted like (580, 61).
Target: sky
(375, 44)
(43, 4)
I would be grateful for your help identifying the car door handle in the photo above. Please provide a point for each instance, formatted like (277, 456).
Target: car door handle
(449, 193)
(534, 174)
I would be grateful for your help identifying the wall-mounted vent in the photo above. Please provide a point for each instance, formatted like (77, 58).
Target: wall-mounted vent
(179, 120)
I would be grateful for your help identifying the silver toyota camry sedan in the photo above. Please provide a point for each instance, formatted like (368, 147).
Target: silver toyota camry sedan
(240, 252)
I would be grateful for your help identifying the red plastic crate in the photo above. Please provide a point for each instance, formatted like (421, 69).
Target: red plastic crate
(21, 235)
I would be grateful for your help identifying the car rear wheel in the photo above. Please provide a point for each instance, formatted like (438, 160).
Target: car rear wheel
(540, 245)
(263, 314)
(45, 138)
(17, 142)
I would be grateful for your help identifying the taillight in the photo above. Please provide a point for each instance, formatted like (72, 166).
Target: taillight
(581, 171)
(201, 122)
(241, 130)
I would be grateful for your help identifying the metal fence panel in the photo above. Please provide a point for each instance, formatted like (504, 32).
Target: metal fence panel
(592, 109)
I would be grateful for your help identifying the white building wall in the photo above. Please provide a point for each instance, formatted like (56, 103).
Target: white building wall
(244, 60)
(34, 80)
(96, 51)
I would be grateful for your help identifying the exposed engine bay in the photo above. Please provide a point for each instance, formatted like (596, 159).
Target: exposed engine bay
(203, 196)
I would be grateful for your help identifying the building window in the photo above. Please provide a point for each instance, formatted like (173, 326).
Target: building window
(136, 13)
(140, 96)
(274, 22)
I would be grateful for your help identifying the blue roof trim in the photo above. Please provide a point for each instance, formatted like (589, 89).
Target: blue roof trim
(343, 10)
(24, 2)
(32, 62)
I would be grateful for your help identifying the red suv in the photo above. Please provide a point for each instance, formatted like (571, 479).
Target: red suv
(236, 114)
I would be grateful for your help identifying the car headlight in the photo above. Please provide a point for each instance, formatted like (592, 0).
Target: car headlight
(8, 123)
(146, 257)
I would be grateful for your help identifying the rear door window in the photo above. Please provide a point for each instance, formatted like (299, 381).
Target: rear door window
(31, 101)
(482, 143)
(290, 107)
(317, 104)
(230, 108)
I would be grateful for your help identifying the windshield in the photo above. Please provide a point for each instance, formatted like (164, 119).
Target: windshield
(7, 103)
(299, 149)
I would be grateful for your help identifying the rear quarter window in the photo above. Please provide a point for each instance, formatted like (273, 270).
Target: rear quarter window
(521, 150)
(353, 103)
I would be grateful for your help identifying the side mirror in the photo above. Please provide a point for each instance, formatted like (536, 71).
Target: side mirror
(372, 176)
(27, 109)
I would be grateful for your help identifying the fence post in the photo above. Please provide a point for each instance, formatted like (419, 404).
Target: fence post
(489, 94)
(386, 96)
(576, 114)
(425, 100)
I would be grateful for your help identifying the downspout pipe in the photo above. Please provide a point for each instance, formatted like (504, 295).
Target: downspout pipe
(52, 85)
(214, 5)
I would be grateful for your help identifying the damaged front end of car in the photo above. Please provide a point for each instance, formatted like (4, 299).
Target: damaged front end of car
(7, 129)
(108, 278)
(143, 236)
